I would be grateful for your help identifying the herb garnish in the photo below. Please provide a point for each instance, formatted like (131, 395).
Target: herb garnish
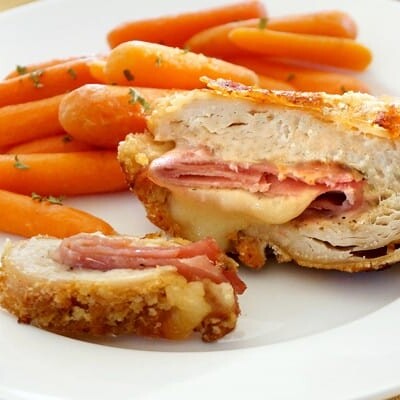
(158, 61)
(290, 77)
(66, 138)
(128, 75)
(72, 72)
(36, 197)
(21, 70)
(19, 164)
(135, 97)
(55, 200)
(262, 23)
(35, 76)
(186, 49)
(50, 199)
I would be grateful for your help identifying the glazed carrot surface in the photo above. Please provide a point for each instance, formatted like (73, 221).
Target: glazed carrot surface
(326, 23)
(304, 79)
(153, 65)
(64, 143)
(216, 43)
(27, 69)
(50, 81)
(175, 30)
(326, 50)
(61, 173)
(103, 115)
(24, 122)
(33, 215)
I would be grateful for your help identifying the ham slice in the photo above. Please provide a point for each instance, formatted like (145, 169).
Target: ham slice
(199, 169)
(194, 261)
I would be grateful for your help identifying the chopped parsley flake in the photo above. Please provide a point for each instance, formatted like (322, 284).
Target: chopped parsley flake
(186, 49)
(135, 97)
(158, 61)
(66, 138)
(19, 164)
(35, 76)
(72, 72)
(55, 200)
(50, 199)
(36, 197)
(262, 23)
(21, 70)
(128, 75)
(290, 77)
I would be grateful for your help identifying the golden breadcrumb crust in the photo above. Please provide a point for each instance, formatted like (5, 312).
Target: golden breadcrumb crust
(167, 306)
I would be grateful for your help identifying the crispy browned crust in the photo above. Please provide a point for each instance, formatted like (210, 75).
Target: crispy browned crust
(87, 308)
(249, 250)
(374, 116)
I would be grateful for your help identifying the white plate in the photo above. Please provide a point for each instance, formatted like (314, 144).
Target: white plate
(303, 334)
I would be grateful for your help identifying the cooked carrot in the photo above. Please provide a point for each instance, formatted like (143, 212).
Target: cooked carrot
(326, 50)
(23, 122)
(304, 79)
(97, 69)
(326, 23)
(32, 215)
(155, 65)
(103, 115)
(61, 173)
(54, 144)
(45, 83)
(266, 82)
(174, 30)
(215, 42)
(27, 69)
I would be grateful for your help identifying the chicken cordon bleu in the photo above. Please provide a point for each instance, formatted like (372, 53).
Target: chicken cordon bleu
(307, 177)
(92, 285)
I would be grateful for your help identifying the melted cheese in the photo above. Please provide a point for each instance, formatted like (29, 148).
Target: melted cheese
(218, 213)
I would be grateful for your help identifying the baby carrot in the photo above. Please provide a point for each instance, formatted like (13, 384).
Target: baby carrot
(61, 173)
(97, 67)
(23, 122)
(174, 30)
(54, 144)
(304, 79)
(326, 23)
(103, 115)
(326, 50)
(47, 82)
(215, 42)
(27, 69)
(33, 215)
(155, 65)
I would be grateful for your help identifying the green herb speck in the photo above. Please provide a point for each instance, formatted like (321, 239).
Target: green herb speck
(128, 75)
(135, 97)
(262, 23)
(21, 70)
(158, 61)
(19, 164)
(72, 72)
(290, 77)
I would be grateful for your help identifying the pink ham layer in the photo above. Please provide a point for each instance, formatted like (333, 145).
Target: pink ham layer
(198, 169)
(194, 261)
